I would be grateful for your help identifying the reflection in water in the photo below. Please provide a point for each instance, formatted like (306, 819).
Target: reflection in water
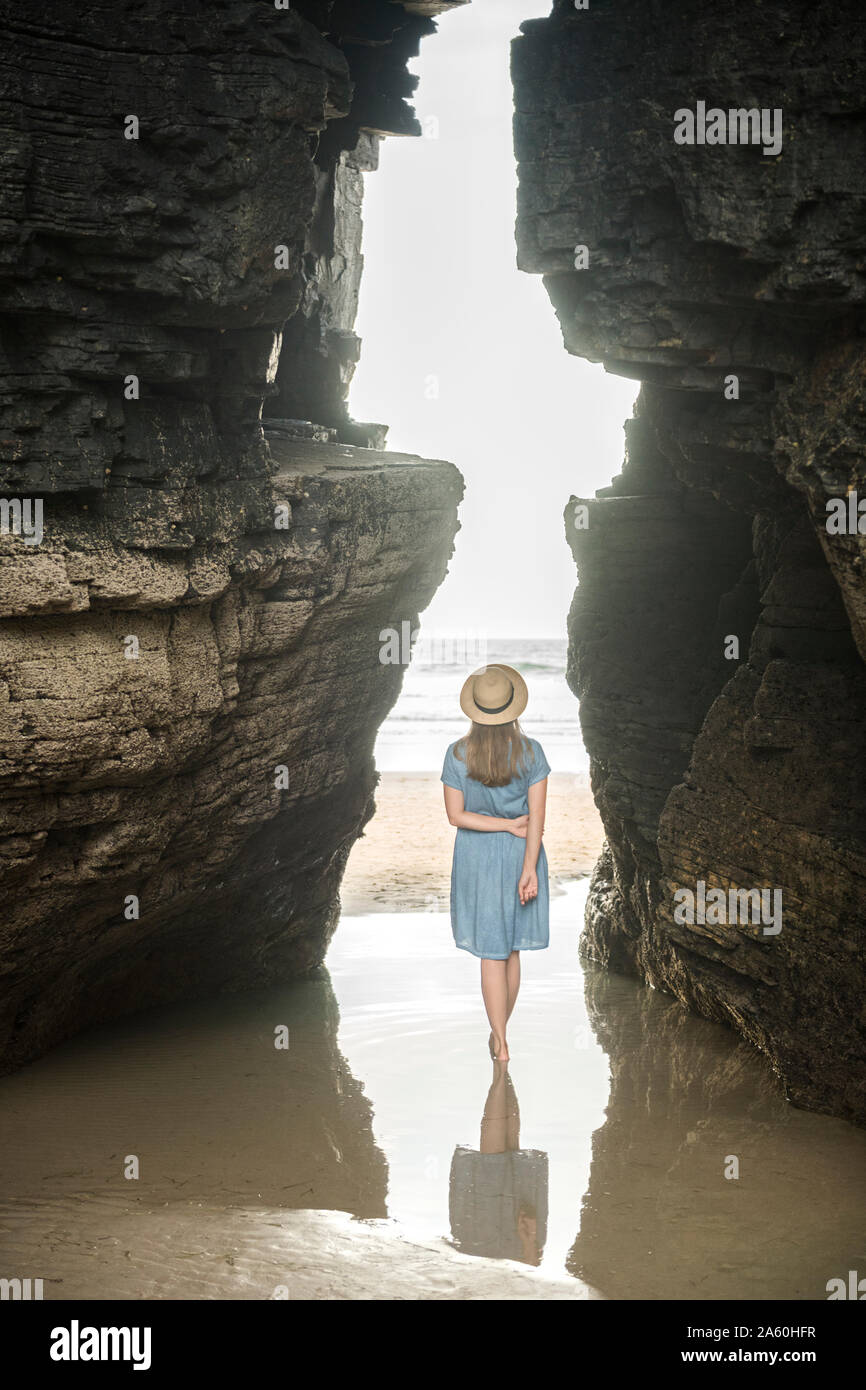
(412, 1024)
(498, 1192)
(222, 1123)
(208, 1104)
(239, 1143)
(661, 1219)
(637, 1204)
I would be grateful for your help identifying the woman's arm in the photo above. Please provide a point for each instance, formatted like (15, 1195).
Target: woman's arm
(474, 820)
(528, 886)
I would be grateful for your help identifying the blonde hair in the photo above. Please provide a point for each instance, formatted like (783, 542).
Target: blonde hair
(493, 753)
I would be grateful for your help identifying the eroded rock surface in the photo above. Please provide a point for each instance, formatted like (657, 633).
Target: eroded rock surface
(190, 683)
(707, 262)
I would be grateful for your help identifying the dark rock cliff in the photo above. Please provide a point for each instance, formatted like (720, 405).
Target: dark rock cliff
(706, 262)
(190, 683)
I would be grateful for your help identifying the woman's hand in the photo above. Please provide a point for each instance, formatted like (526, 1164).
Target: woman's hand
(518, 826)
(527, 888)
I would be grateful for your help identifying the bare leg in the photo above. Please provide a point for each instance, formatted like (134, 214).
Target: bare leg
(512, 981)
(494, 991)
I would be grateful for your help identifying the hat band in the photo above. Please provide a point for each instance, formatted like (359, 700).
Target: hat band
(488, 709)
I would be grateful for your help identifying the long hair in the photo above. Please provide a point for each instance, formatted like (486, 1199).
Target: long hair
(493, 753)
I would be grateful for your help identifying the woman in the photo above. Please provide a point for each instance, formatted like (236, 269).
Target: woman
(495, 792)
(497, 1193)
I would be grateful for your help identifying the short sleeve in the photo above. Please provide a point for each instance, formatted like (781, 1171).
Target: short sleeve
(452, 771)
(540, 766)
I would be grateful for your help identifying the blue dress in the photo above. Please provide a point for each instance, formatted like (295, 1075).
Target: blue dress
(487, 916)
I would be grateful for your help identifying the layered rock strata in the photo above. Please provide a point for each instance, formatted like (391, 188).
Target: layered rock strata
(189, 652)
(729, 281)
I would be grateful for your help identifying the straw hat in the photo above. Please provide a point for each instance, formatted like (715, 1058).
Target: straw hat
(494, 695)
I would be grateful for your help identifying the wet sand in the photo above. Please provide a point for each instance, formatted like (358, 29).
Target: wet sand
(402, 863)
(102, 1248)
(378, 1156)
(258, 1172)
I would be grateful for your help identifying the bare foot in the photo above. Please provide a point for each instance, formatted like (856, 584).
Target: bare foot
(498, 1049)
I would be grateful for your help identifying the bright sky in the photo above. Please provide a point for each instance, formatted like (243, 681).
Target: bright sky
(441, 296)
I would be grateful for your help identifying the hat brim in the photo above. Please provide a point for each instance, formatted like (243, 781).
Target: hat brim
(514, 708)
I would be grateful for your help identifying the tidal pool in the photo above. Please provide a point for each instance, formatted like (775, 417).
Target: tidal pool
(600, 1167)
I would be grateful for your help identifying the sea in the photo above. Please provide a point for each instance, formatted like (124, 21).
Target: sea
(427, 715)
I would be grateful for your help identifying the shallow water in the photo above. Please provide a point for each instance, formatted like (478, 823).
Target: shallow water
(612, 1170)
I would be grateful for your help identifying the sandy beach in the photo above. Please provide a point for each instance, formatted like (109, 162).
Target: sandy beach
(402, 863)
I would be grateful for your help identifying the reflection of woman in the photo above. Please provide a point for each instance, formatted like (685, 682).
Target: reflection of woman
(495, 792)
(497, 1196)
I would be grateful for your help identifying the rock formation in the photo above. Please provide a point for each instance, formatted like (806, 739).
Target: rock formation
(199, 548)
(728, 278)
